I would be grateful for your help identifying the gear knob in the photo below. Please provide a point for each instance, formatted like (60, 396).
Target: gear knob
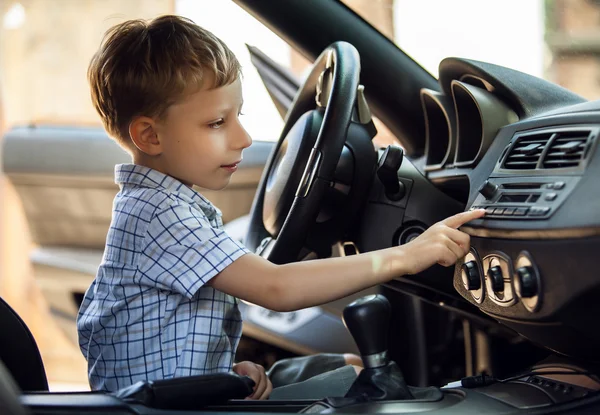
(368, 320)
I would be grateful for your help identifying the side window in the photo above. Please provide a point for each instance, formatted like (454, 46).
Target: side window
(45, 49)
(225, 19)
(46, 46)
(43, 64)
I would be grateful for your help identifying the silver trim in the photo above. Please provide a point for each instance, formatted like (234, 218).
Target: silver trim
(493, 115)
(468, 79)
(265, 247)
(314, 161)
(351, 244)
(437, 98)
(508, 295)
(324, 86)
(362, 107)
(375, 360)
(574, 233)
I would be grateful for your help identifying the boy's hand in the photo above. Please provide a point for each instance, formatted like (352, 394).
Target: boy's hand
(441, 244)
(263, 386)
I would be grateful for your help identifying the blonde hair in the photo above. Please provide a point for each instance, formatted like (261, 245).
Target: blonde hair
(143, 67)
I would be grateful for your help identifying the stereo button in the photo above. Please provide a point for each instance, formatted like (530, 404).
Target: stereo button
(521, 211)
(550, 196)
(538, 210)
(509, 211)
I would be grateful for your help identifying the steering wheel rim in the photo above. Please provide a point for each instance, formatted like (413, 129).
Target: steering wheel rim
(331, 89)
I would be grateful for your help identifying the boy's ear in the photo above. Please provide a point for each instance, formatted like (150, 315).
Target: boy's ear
(142, 131)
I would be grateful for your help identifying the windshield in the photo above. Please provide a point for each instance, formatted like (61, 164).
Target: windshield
(557, 40)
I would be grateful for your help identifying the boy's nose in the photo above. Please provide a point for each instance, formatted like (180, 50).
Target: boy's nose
(243, 139)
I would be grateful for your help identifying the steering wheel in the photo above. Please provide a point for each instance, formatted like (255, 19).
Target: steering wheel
(301, 166)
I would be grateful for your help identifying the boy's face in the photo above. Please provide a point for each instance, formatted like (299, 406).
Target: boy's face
(202, 138)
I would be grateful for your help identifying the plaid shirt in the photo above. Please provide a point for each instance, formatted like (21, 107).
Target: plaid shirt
(148, 314)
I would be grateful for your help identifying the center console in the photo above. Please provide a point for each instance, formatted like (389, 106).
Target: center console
(380, 387)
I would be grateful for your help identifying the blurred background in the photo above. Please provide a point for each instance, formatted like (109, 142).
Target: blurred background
(46, 45)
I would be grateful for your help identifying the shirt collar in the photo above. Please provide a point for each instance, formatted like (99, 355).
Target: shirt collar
(134, 174)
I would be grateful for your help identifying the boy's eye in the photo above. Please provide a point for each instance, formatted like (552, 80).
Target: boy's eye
(216, 124)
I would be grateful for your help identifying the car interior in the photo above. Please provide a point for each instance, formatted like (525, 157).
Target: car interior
(510, 329)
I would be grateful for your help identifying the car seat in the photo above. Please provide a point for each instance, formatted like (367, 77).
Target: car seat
(19, 351)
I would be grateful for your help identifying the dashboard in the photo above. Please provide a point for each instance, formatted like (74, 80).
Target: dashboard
(526, 152)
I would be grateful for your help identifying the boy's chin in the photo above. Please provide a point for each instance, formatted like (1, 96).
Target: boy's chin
(216, 186)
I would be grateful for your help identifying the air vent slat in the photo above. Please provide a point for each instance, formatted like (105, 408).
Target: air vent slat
(520, 165)
(565, 156)
(526, 152)
(524, 156)
(554, 164)
(567, 150)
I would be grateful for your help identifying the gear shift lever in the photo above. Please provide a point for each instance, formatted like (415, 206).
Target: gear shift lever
(368, 321)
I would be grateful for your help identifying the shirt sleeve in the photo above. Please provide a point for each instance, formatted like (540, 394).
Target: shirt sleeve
(183, 251)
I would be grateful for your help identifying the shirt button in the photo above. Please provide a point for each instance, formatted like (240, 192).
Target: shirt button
(211, 214)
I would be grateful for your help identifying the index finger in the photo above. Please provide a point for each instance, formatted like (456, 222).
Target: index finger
(460, 219)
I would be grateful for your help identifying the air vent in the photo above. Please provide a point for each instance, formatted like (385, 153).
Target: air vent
(526, 152)
(567, 150)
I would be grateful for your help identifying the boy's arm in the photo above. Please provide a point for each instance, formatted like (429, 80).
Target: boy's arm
(304, 284)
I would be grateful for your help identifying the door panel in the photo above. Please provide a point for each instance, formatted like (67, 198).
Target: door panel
(64, 177)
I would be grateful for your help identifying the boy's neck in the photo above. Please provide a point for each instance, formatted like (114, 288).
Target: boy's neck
(151, 162)
(154, 163)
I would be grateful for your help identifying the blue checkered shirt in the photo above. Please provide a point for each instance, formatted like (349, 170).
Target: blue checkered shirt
(149, 314)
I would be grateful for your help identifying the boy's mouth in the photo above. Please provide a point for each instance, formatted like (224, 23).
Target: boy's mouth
(232, 164)
(231, 167)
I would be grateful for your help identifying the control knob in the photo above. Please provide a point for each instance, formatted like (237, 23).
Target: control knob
(488, 189)
(387, 172)
(527, 282)
(470, 276)
(496, 278)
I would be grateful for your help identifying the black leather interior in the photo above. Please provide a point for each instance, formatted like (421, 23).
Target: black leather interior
(22, 360)
(189, 392)
(381, 384)
(9, 394)
(19, 351)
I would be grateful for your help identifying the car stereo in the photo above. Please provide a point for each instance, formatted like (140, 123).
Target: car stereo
(523, 198)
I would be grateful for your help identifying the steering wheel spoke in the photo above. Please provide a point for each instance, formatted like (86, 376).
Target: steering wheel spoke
(265, 247)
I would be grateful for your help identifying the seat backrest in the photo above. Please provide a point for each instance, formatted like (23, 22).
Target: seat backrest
(19, 351)
(9, 394)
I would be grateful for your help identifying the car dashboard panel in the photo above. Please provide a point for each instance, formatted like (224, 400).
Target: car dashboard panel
(529, 151)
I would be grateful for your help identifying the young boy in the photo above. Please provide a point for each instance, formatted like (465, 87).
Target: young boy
(164, 301)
